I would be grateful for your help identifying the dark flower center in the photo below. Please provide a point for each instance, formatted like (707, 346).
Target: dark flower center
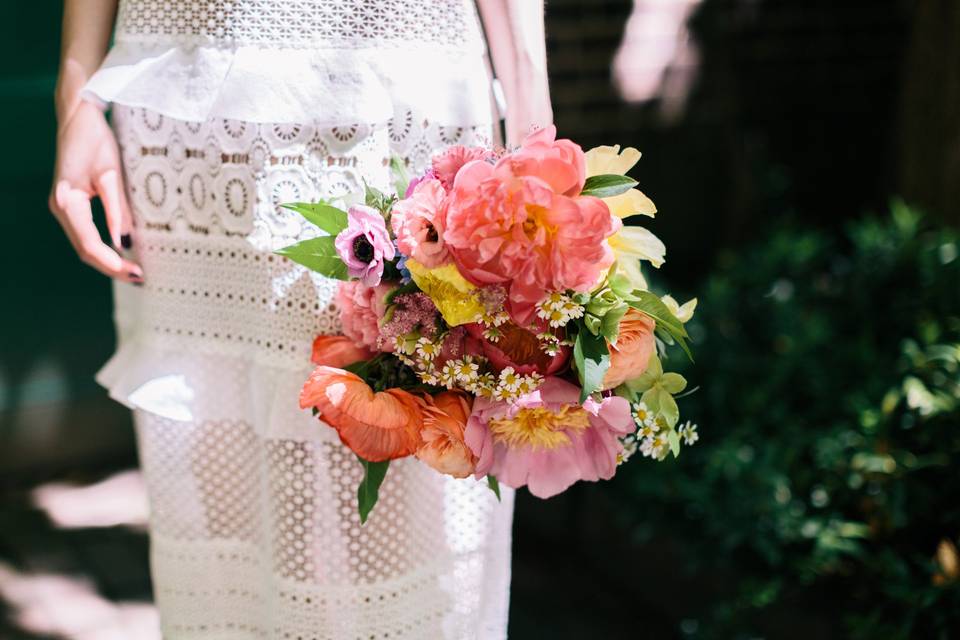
(432, 235)
(362, 249)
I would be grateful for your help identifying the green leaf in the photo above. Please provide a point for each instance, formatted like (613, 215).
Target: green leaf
(369, 490)
(651, 305)
(328, 218)
(610, 325)
(674, 439)
(317, 254)
(607, 185)
(592, 323)
(592, 358)
(377, 199)
(673, 382)
(401, 180)
(494, 485)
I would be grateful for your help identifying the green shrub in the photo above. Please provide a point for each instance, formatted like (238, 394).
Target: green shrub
(827, 471)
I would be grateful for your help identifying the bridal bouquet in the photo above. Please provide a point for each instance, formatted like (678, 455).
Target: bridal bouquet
(496, 322)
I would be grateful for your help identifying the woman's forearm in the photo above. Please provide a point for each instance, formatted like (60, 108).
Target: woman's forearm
(87, 25)
(515, 32)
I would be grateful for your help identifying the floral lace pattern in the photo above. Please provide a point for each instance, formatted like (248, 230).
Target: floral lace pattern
(253, 517)
(259, 538)
(299, 23)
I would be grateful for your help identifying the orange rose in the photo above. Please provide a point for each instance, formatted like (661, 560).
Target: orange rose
(376, 426)
(629, 357)
(338, 351)
(444, 420)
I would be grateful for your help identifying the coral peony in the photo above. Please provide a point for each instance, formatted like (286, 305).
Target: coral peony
(508, 225)
(446, 165)
(338, 351)
(560, 163)
(631, 353)
(547, 440)
(376, 426)
(517, 348)
(444, 420)
(361, 309)
(417, 222)
(365, 245)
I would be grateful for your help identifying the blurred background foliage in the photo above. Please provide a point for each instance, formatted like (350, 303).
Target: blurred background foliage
(822, 499)
(829, 407)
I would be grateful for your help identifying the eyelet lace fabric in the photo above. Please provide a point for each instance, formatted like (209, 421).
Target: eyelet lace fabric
(329, 62)
(254, 531)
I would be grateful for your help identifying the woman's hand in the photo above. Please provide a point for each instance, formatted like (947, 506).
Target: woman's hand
(88, 165)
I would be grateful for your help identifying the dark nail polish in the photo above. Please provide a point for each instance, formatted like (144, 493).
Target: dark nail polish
(126, 241)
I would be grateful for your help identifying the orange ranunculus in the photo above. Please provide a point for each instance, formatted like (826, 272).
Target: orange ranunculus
(630, 356)
(376, 426)
(444, 420)
(338, 351)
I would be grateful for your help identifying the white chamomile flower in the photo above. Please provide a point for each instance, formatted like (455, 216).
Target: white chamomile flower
(510, 379)
(529, 384)
(642, 414)
(629, 448)
(689, 433)
(646, 447)
(427, 349)
(467, 371)
(660, 446)
(448, 375)
(647, 430)
(492, 334)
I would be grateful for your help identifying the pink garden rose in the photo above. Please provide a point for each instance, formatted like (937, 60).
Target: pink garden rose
(446, 165)
(546, 440)
(361, 309)
(417, 223)
(365, 245)
(520, 223)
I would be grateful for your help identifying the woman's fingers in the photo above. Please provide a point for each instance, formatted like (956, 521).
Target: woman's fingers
(119, 221)
(76, 217)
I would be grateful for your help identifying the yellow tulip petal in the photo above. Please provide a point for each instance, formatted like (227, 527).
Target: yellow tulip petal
(631, 203)
(639, 243)
(610, 160)
(450, 291)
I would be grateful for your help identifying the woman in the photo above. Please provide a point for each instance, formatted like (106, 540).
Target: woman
(222, 111)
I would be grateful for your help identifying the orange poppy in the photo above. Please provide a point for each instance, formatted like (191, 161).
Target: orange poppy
(444, 420)
(377, 426)
(338, 351)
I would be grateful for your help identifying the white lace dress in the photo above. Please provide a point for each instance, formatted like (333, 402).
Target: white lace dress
(225, 109)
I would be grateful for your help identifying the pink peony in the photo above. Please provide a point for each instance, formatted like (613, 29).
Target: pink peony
(417, 223)
(546, 440)
(511, 225)
(361, 309)
(447, 164)
(365, 244)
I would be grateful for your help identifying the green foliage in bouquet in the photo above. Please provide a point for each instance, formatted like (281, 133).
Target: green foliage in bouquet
(831, 473)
